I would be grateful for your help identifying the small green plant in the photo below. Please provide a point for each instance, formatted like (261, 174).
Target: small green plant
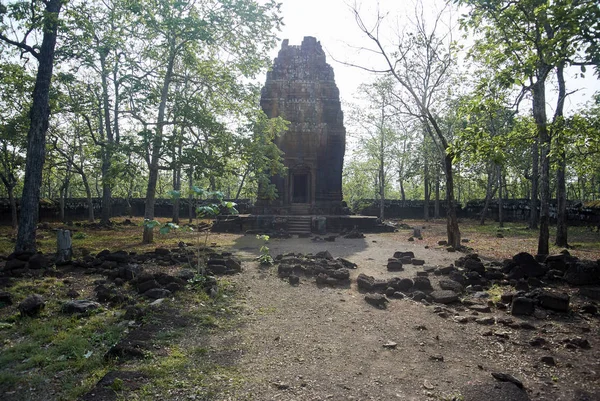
(205, 211)
(117, 384)
(198, 281)
(265, 257)
(79, 235)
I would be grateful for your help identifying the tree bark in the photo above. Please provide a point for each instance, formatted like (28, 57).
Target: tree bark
(535, 173)
(539, 114)
(176, 187)
(500, 198)
(239, 190)
(10, 182)
(426, 191)
(13, 207)
(191, 195)
(148, 236)
(436, 205)
(488, 196)
(452, 220)
(107, 148)
(88, 194)
(561, 185)
(36, 137)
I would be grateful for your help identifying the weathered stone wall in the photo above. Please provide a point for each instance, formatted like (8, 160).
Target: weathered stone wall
(301, 88)
(513, 210)
(77, 208)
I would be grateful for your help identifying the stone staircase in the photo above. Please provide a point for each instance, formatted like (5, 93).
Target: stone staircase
(299, 224)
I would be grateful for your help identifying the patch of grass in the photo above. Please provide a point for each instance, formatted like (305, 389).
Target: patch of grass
(495, 292)
(62, 353)
(113, 238)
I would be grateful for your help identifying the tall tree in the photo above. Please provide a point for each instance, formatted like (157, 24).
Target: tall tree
(197, 34)
(33, 17)
(15, 88)
(525, 42)
(377, 136)
(421, 63)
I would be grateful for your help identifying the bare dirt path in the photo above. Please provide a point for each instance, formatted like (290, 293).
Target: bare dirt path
(320, 343)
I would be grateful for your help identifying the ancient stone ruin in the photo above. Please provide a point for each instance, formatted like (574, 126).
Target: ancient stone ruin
(301, 88)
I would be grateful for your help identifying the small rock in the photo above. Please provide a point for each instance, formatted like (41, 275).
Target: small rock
(444, 296)
(294, 280)
(324, 255)
(451, 285)
(581, 342)
(390, 345)
(505, 377)
(486, 321)
(377, 300)
(281, 386)
(394, 265)
(80, 306)
(522, 306)
(32, 305)
(148, 285)
(548, 360)
(418, 296)
(537, 342)
(553, 301)
(422, 284)
(156, 303)
(480, 308)
(464, 319)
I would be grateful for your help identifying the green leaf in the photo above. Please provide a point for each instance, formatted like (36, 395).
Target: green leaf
(198, 191)
(174, 194)
(164, 230)
(151, 223)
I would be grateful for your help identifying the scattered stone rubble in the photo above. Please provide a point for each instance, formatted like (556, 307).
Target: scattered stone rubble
(465, 284)
(322, 266)
(118, 267)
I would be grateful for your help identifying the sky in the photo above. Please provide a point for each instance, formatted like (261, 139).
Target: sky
(333, 24)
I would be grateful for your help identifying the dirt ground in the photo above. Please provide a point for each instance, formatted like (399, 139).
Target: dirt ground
(319, 343)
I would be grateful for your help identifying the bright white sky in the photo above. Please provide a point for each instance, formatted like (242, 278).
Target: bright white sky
(333, 24)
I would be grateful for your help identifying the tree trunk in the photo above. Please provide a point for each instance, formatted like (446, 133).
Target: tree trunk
(381, 191)
(239, 191)
(488, 196)
(539, 114)
(88, 194)
(191, 195)
(402, 193)
(148, 236)
(436, 205)
(535, 172)
(176, 187)
(452, 220)
(107, 148)
(500, 199)
(426, 191)
(36, 137)
(561, 185)
(13, 207)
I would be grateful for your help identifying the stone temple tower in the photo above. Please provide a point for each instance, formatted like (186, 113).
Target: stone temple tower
(301, 89)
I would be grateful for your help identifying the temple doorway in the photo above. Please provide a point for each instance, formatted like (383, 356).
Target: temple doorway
(300, 188)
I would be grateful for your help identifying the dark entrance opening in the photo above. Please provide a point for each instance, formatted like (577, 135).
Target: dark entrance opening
(300, 186)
